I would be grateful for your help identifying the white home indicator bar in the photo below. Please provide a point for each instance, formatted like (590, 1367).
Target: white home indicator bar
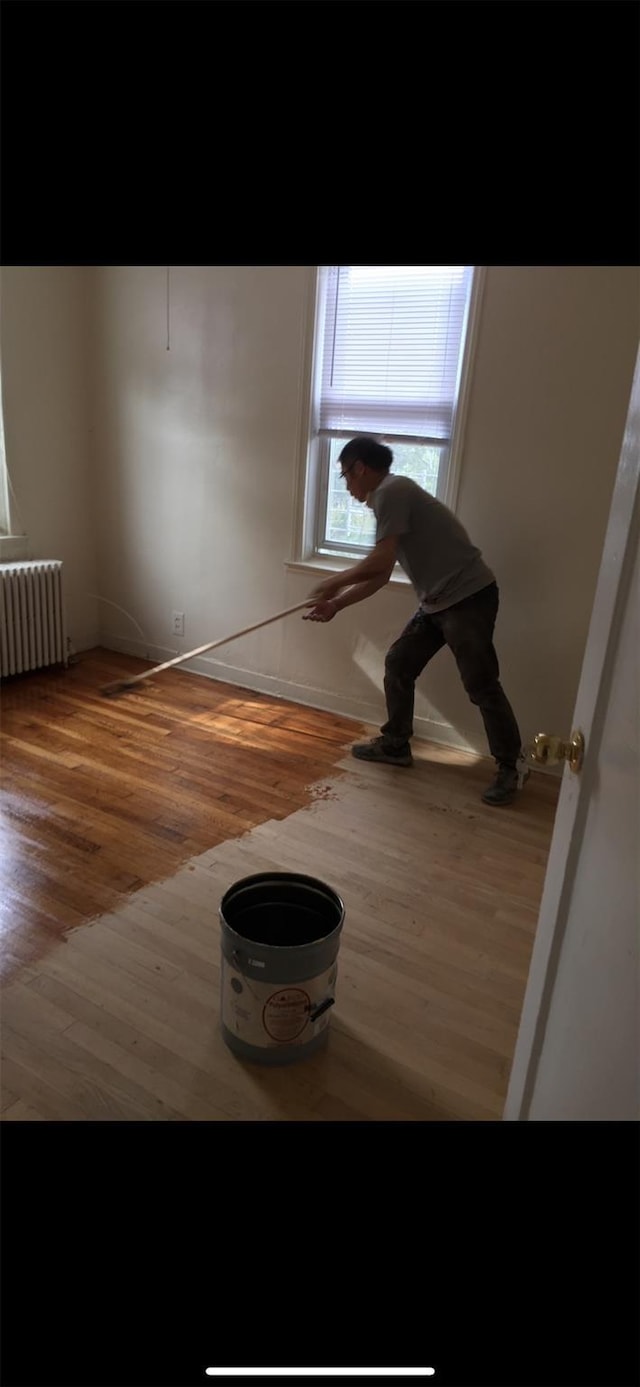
(320, 1372)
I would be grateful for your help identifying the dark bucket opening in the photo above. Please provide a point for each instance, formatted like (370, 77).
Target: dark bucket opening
(282, 909)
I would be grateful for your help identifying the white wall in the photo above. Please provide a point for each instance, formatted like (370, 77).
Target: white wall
(195, 451)
(44, 349)
(194, 458)
(548, 408)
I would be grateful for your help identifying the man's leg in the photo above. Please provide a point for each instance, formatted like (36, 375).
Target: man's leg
(468, 630)
(405, 660)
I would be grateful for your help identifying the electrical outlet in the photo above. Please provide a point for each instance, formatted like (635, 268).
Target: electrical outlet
(178, 623)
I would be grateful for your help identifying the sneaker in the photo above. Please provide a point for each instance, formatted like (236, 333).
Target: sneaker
(375, 750)
(504, 788)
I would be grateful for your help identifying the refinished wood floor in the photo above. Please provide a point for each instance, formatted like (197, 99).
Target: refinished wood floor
(124, 820)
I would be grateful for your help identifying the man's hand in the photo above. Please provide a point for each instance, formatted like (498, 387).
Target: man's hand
(322, 611)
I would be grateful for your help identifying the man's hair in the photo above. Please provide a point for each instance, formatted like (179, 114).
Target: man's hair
(369, 451)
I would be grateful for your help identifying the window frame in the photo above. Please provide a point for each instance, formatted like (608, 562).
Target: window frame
(310, 550)
(13, 546)
(5, 499)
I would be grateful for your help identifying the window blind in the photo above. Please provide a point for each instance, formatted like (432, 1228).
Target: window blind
(392, 345)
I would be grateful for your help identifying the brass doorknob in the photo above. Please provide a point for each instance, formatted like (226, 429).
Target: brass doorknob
(548, 751)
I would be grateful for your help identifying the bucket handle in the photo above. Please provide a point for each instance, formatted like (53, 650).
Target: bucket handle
(324, 1006)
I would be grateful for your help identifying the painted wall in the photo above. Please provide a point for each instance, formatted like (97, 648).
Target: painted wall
(187, 496)
(44, 348)
(195, 452)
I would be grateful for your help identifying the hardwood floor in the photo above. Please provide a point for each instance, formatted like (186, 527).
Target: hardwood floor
(103, 795)
(124, 821)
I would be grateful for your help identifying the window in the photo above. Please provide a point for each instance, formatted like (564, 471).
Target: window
(4, 480)
(4, 487)
(12, 545)
(390, 353)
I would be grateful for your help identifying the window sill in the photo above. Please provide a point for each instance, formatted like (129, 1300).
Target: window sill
(336, 564)
(13, 547)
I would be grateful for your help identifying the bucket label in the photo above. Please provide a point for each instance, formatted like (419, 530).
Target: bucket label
(285, 1013)
(270, 1013)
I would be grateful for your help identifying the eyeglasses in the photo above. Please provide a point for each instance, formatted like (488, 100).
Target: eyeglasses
(346, 470)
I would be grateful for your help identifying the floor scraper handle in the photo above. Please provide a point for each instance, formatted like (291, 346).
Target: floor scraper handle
(122, 684)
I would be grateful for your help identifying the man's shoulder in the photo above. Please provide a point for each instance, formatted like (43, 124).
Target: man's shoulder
(396, 479)
(403, 491)
(396, 484)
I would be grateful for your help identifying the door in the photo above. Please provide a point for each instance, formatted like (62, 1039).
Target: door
(578, 1047)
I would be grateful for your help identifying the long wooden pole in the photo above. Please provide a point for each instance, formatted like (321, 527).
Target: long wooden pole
(121, 684)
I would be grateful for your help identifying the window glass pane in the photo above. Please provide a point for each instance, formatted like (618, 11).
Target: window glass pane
(349, 522)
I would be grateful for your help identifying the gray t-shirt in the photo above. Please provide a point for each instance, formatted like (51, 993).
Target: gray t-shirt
(434, 549)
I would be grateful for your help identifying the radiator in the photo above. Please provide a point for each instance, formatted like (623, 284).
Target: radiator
(32, 625)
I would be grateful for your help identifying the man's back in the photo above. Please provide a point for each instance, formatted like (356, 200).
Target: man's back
(434, 548)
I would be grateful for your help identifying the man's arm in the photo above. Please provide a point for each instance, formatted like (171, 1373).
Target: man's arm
(375, 571)
(327, 607)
